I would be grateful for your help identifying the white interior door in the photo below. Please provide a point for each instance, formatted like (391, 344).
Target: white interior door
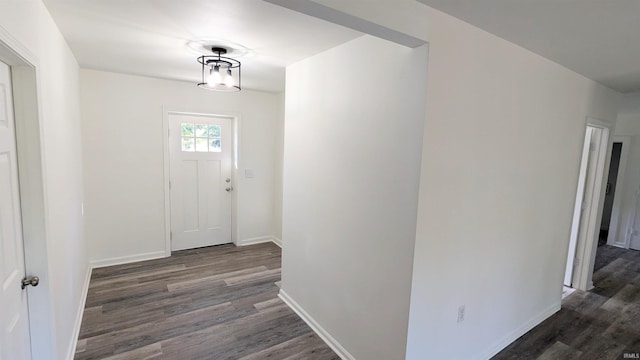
(14, 319)
(200, 180)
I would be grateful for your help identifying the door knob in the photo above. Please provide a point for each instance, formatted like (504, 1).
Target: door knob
(30, 280)
(229, 188)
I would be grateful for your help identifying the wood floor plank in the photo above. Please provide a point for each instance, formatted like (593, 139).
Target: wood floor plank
(292, 347)
(203, 281)
(109, 326)
(217, 338)
(318, 352)
(273, 274)
(209, 303)
(264, 335)
(81, 346)
(153, 351)
(252, 300)
(560, 351)
(130, 275)
(267, 303)
(128, 338)
(217, 295)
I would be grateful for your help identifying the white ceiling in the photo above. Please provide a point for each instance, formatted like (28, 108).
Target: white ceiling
(150, 37)
(596, 38)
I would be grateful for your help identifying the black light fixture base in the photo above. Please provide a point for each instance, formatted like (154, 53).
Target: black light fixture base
(219, 50)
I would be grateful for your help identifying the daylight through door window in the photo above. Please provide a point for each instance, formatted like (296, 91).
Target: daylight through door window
(200, 137)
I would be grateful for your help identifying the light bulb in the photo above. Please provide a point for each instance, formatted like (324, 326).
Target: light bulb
(214, 76)
(229, 81)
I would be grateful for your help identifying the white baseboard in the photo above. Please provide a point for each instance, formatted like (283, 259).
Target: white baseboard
(277, 241)
(259, 240)
(590, 286)
(71, 353)
(253, 241)
(514, 335)
(127, 259)
(322, 333)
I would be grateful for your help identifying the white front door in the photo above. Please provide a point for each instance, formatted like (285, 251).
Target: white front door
(14, 316)
(200, 180)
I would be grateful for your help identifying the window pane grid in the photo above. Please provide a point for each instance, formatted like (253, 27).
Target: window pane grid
(201, 137)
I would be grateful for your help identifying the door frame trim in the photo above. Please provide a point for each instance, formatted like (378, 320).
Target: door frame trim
(235, 130)
(25, 72)
(570, 268)
(583, 274)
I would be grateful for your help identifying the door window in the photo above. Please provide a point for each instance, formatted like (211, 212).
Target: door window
(200, 137)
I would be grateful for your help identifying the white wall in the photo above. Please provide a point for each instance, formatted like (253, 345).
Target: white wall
(628, 124)
(353, 135)
(29, 24)
(502, 146)
(123, 158)
(502, 141)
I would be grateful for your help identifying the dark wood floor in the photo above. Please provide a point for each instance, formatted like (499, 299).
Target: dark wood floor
(210, 303)
(603, 323)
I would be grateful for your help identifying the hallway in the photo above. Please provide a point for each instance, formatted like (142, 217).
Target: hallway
(603, 323)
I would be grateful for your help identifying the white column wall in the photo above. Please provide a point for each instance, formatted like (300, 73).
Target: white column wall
(353, 136)
(502, 145)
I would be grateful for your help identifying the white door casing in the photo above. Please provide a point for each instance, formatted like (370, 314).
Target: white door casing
(592, 204)
(578, 209)
(589, 246)
(14, 317)
(587, 229)
(200, 180)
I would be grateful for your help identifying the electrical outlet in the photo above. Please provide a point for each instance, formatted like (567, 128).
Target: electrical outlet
(461, 313)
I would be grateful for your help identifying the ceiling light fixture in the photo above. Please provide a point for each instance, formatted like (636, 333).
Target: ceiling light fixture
(220, 73)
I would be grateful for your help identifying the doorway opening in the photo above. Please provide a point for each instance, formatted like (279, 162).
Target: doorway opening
(200, 164)
(609, 193)
(611, 221)
(587, 214)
